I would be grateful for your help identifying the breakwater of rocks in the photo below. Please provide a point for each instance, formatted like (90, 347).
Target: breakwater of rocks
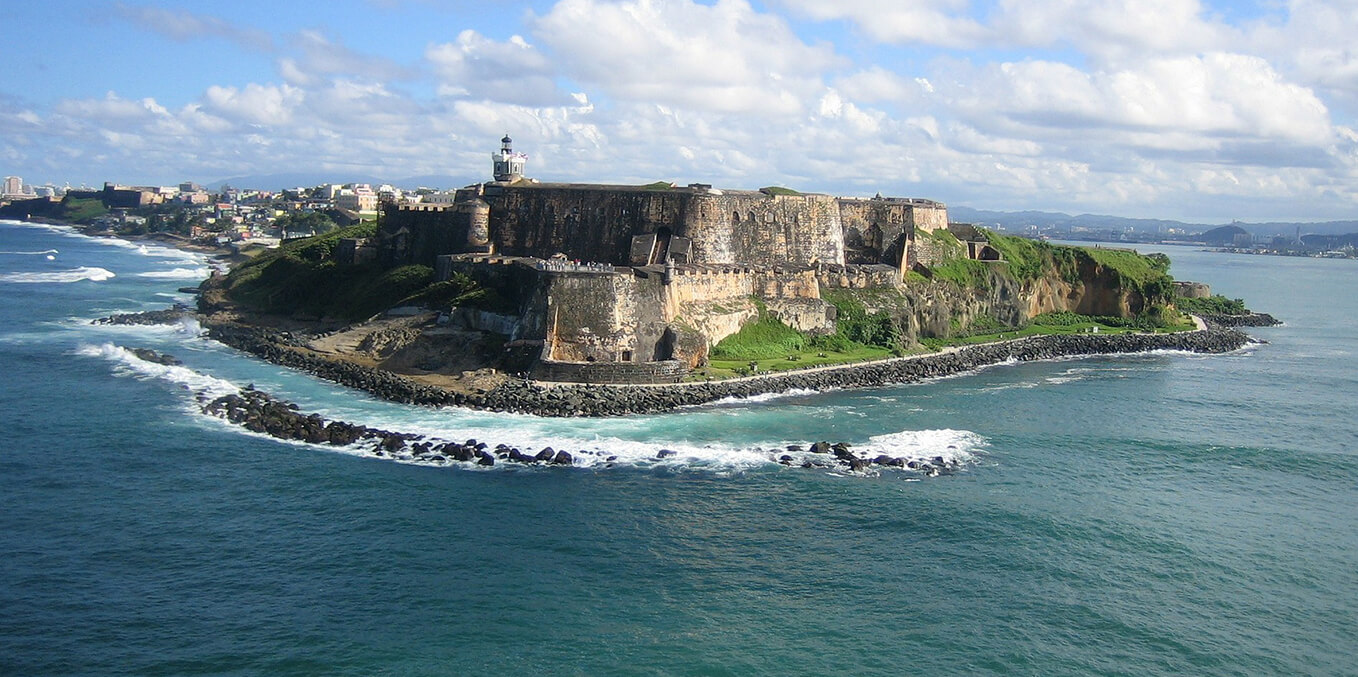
(260, 412)
(149, 317)
(1245, 320)
(523, 396)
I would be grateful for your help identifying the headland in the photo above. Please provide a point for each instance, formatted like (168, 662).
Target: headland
(601, 300)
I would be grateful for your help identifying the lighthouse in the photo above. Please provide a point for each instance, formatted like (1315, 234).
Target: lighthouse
(508, 164)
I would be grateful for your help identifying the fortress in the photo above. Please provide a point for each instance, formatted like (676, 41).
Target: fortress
(635, 283)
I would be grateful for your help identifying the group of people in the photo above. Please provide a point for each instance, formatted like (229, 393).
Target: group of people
(565, 266)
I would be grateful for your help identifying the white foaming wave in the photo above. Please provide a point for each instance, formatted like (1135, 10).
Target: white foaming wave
(92, 273)
(196, 262)
(128, 364)
(71, 231)
(177, 274)
(955, 446)
(1021, 385)
(530, 434)
(185, 326)
(162, 251)
(41, 253)
(736, 400)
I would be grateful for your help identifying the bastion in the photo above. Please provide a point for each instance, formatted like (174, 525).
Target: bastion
(620, 283)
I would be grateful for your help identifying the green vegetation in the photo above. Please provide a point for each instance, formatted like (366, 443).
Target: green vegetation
(301, 279)
(778, 190)
(1064, 322)
(659, 185)
(82, 210)
(767, 344)
(1025, 261)
(1214, 305)
(71, 209)
(305, 222)
(1024, 258)
(855, 327)
(766, 337)
(965, 273)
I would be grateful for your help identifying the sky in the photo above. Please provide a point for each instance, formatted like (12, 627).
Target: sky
(1203, 111)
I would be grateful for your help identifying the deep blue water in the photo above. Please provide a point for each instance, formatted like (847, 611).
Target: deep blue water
(1157, 514)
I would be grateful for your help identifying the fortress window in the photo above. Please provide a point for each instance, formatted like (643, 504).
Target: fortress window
(735, 217)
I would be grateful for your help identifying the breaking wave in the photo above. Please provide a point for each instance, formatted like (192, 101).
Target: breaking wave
(92, 273)
(127, 364)
(589, 448)
(177, 274)
(41, 253)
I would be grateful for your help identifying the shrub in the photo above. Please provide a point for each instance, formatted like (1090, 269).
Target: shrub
(1214, 305)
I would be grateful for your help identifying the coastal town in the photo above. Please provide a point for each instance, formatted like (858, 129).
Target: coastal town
(228, 216)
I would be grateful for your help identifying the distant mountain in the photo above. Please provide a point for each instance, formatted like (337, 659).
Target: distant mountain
(309, 179)
(1019, 220)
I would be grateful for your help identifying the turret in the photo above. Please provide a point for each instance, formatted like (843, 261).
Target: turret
(508, 164)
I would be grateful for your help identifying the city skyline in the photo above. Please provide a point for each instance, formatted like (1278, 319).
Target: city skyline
(1170, 109)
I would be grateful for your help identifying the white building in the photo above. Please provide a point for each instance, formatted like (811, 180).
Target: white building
(359, 198)
(14, 188)
(508, 164)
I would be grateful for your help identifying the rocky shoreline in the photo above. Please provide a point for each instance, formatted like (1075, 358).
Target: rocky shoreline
(1246, 320)
(260, 412)
(565, 400)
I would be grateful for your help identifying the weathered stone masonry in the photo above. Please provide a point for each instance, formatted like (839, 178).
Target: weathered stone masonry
(669, 270)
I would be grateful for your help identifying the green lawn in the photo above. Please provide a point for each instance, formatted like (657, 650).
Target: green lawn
(728, 368)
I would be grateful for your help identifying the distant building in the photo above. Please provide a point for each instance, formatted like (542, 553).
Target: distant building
(14, 188)
(360, 198)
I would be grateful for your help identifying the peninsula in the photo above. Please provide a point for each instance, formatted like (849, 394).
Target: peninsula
(488, 299)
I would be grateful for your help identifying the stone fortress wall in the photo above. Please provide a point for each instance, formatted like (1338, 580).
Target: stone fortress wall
(693, 224)
(630, 275)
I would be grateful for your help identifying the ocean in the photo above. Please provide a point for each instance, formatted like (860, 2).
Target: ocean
(1156, 514)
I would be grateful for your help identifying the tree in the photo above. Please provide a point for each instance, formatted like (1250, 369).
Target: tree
(305, 222)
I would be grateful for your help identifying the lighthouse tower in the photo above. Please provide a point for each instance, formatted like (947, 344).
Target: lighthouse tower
(508, 164)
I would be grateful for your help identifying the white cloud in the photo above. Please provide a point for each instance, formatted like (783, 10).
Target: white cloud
(321, 56)
(254, 104)
(929, 22)
(1112, 30)
(185, 26)
(725, 57)
(1120, 108)
(476, 66)
(1217, 98)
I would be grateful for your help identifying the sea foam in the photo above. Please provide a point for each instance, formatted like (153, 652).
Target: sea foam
(127, 364)
(92, 273)
(589, 446)
(177, 274)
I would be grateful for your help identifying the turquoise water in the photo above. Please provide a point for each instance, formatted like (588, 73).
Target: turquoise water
(1150, 515)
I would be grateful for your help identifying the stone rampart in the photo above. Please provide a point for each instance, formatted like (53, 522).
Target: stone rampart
(858, 276)
(587, 223)
(664, 371)
(764, 230)
(599, 223)
(605, 317)
(421, 233)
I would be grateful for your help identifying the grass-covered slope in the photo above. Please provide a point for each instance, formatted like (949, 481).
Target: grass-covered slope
(1025, 261)
(301, 279)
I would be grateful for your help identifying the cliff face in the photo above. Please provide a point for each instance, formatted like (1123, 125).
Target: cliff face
(1098, 290)
(940, 309)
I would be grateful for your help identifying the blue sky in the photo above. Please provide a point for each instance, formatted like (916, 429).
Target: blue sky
(1157, 108)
